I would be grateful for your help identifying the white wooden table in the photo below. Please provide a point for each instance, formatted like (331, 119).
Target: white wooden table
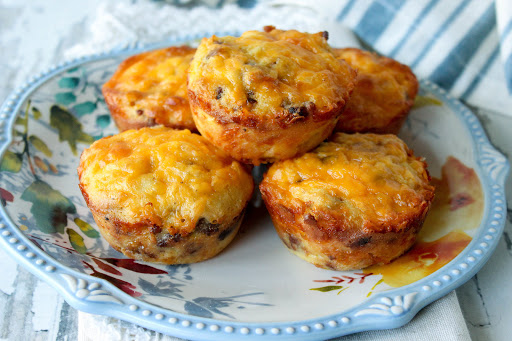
(33, 36)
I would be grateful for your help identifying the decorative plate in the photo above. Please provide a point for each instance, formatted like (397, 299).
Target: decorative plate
(255, 288)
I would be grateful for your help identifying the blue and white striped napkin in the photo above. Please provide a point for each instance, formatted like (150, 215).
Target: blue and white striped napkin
(457, 43)
(465, 46)
(504, 21)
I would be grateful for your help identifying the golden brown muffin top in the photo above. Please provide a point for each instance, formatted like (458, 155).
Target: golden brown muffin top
(154, 84)
(367, 179)
(171, 178)
(268, 78)
(385, 89)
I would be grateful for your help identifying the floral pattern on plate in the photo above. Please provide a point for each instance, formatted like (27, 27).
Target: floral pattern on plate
(49, 133)
(254, 288)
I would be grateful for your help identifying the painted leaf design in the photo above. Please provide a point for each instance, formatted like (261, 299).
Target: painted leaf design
(76, 241)
(49, 207)
(119, 283)
(36, 112)
(6, 196)
(70, 129)
(41, 164)
(40, 145)
(197, 310)
(11, 162)
(103, 121)
(69, 82)
(423, 101)
(328, 288)
(182, 269)
(162, 288)
(106, 267)
(132, 265)
(86, 228)
(20, 120)
(36, 243)
(84, 108)
(215, 304)
(53, 168)
(65, 98)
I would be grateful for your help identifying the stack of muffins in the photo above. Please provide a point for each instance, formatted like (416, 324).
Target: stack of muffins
(168, 195)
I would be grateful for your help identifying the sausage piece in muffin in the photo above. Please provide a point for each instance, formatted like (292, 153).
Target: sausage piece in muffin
(267, 96)
(383, 95)
(354, 201)
(164, 195)
(150, 89)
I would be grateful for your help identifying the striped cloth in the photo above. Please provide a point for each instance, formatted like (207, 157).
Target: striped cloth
(504, 20)
(465, 46)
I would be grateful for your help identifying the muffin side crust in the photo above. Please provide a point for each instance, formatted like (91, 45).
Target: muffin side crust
(150, 88)
(156, 192)
(265, 87)
(383, 96)
(354, 201)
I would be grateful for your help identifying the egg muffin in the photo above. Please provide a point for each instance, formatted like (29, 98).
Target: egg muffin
(383, 95)
(266, 96)
(150, 89)
(164, 195)
(354, 201)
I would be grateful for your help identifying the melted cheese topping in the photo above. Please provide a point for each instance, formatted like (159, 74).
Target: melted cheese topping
(166, 176)
(362, 176)
(384, 90)
(155, 84)
(270, 74)
(161, 71)
(368, 63)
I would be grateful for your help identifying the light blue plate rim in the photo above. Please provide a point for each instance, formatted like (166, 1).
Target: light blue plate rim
(402, 303)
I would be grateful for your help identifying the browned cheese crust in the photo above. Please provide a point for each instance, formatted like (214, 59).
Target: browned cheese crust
(383, 96)
(266, 96)
(354, 201)
(164, 195)
(150, 89)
